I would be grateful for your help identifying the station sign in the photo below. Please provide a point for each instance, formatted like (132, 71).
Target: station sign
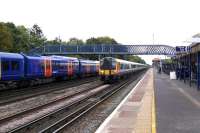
(182, 49)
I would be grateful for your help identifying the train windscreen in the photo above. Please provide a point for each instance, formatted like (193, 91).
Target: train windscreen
(107, 63)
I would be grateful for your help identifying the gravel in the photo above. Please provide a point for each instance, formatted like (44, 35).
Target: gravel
(41, 112)
(90, 122)
(29, 103)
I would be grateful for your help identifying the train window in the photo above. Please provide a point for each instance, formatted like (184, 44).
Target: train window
(42, 65)
(62, 66)
(108, 63)
(127, 66)
(121, 66)
(132, 66)
(15, 65)
(5, 65)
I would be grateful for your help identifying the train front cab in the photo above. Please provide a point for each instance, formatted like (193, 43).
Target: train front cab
(109, 69)
(11, 68)
(34, 67)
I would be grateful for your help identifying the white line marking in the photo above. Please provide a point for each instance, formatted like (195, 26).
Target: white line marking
(193, 100)
(100, 129)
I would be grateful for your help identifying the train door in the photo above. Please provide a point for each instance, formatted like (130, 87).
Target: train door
(87, 69)
(97, 68)
(117, 67)
(47, 67)
(70, 68)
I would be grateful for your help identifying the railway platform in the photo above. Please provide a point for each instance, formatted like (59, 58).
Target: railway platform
(134, 113)
(156, 104)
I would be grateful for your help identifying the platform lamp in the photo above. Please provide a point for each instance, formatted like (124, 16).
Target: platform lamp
(161, 69)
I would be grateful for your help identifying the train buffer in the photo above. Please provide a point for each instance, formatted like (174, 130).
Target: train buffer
(156, 105)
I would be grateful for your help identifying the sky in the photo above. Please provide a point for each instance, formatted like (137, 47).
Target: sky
(128, 21)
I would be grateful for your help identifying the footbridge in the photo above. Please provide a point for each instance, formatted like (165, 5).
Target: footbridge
(104, 49)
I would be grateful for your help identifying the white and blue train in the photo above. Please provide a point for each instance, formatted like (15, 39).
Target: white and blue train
(112, 69)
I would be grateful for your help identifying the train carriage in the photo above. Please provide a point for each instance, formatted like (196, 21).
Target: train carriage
(22, 70)
(88, 67)
(112, 69)
(34, 67)
(11, 66)
(65, 67)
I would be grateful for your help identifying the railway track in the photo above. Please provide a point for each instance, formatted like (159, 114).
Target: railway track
(73, 111)
(22, 113)
(69, 113)
(82, 110)
(15, 95)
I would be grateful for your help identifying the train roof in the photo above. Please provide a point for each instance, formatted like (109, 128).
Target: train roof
(89, 61)
(11, 55)
(125, 61)
(35, 57)
(63, 57)
(130, 62)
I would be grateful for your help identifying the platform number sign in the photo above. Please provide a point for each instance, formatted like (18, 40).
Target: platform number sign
(182, 49)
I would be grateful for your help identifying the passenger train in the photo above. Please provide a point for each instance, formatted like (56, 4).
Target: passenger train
(112, 69)
(18, 70)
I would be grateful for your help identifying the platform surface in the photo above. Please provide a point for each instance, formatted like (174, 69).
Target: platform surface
(177, 106)
(156, 104)
(134, 113)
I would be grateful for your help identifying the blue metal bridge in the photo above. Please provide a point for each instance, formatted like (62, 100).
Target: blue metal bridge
(102, 49)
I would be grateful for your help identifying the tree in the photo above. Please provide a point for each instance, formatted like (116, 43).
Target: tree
(20, 37)
(101, 40)
(15, 37)
(75, 41)
(36, 31)
(23, 39)
(5, 38)
(37, 37)
(57, 40)
(137, 59)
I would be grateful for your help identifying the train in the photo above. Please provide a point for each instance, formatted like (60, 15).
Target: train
(20, 70)
(112, 69)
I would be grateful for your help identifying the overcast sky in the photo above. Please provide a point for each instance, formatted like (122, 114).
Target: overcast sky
(128, 21)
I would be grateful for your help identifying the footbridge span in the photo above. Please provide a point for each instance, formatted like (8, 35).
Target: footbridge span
(103, 49)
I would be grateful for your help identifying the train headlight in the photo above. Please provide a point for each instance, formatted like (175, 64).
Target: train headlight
(101, 71)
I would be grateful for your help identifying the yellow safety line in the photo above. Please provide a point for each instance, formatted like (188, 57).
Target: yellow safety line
(153, 123)
(153, 115)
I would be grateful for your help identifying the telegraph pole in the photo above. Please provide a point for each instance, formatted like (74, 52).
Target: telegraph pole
(153, 38)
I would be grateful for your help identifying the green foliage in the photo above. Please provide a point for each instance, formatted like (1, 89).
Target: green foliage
(75, 41)
(12, 38)
(101, 40)
(137, 59)
(168, 61)
(36, 36)
(18, 38)
(57, 40)
(5, 38)
(21, 39)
